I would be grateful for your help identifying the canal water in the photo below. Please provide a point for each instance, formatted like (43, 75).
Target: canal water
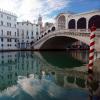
(46, 75)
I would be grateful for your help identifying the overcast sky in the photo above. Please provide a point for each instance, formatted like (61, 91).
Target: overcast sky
(30, 9)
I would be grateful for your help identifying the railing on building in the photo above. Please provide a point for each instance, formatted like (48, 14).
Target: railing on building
(7, 12)
(5, 36)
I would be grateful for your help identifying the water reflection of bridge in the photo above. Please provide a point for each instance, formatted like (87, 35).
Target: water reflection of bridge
(25, 63)
(68, 77)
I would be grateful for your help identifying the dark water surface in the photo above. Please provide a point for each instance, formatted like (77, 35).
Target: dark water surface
(43, 75)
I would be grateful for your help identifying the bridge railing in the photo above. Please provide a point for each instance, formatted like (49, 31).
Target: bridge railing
(75, 32)
(81, 30)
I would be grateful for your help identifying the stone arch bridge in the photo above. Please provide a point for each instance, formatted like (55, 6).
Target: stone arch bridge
(54, 40)
(69, 28)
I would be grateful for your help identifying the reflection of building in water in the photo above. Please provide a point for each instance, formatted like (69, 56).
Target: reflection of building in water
(14, 64)
(17, 63)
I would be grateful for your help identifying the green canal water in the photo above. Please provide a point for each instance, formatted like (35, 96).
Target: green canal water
(46, 75)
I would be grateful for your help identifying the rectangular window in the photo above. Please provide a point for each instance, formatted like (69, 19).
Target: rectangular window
(7, 40)
(36, 33)
(1, 15)
(27, 32)
(2, 45)
(10, 40)
(32, 33)
(2, 23)
(22, 33)
(32, 37)
(17, 32)
(2, 32)
(15, 25)
(10, 33)
(1, 39)
(7, 32)
(15, 40)
(8, 24)
(8, 17)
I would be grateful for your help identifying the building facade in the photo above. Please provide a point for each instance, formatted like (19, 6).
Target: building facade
(8, 36)
(27, 33)
(16, 35)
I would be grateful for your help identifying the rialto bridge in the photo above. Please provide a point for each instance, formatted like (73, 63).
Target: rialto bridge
(69, 28)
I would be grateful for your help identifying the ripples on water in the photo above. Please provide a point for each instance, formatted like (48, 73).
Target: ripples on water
(43, 76)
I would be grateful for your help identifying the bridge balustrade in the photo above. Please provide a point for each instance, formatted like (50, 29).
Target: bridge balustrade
(75, 32)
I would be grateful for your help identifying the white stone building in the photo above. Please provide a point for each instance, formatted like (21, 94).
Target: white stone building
(16, 35)
(8, 36)
(27, 33)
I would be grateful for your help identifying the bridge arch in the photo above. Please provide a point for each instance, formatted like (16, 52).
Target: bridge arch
(59, 40)
(81, 23)
(94, 20)
(62, 22)
(71, 24)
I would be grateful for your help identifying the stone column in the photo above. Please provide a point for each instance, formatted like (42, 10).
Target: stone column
(76, 25)
(87, 21)
(66, 23)
(56, 23)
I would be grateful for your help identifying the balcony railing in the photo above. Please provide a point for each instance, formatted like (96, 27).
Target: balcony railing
(5, 36)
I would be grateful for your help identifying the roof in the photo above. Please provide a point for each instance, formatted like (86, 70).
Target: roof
(68, 12)
(8, 13)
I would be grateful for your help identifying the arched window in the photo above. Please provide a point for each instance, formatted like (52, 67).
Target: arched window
(48, 31)
(94, 20)
(53, 29)
(61, 22)
(81, 23)
(71, 24)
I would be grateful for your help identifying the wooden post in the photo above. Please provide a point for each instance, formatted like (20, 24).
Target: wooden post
(91, 51)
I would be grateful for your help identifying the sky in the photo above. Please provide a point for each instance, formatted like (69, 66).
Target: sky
(48, 9)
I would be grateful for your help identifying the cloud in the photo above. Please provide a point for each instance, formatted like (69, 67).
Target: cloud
(30, 9)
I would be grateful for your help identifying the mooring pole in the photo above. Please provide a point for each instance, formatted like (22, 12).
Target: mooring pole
(92, 47)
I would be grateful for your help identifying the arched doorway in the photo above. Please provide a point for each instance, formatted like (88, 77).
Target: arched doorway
(81, 23)
(71, 24)
(61, 22)
(94, 20)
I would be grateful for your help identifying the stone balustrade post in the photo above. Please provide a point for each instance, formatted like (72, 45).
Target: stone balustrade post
(87, 21)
